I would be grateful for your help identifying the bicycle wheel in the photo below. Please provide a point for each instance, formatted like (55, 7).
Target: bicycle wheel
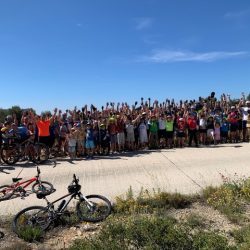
(31, 218)
(6, 192)
(44, 186)
(41, 153)
(1, 235)
(96, 209)
(10, 154)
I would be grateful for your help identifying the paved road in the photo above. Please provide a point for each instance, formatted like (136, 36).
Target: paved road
(183, 170)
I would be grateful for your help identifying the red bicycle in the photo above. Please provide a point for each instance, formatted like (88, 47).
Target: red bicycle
(17, 188)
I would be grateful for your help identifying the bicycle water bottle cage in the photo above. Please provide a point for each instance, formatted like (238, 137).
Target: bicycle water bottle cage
(74, 188)
(16, 179)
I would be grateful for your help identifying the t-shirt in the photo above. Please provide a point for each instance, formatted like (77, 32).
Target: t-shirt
(169, 126)
(244, 112)
(191, 124)
(161, 123)
(153, 127)
(43, 128)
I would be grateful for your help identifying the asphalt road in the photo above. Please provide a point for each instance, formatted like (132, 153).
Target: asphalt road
(185, 170)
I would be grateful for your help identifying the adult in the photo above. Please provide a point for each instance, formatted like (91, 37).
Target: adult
(43, 123)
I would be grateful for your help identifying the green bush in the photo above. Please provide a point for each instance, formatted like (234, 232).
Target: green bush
(230, 198)
(210, 241)
(242, 237)
(150, 203)
(30, 234)
(141, 232)
(195, 221)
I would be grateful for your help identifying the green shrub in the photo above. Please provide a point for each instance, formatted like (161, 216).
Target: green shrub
(242, 237)
(210, 241)
(149, 203)
(30, 234)
(139, 233)
(194, 221)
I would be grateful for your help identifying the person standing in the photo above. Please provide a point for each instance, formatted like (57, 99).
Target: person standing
(192, 130)
(43, 124)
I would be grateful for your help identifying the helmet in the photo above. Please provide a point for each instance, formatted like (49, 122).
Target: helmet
(74, 188)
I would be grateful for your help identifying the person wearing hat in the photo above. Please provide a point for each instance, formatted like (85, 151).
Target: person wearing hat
(181, 127)
(169, 124)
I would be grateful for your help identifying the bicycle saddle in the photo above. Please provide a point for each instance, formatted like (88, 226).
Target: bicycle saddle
(42, 195)
(16, 179)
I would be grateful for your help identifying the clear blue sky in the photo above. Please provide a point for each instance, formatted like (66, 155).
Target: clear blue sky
(70, 52)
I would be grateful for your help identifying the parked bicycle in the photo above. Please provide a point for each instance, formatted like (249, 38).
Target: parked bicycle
(12, 151)
(18, 188)
(90, 208)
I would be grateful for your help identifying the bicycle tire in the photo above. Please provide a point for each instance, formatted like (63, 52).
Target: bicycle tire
(37, 188)
(41, 153)
(21, 220)
(95, 213)
(13, 157)
(1, 235)
(6, 196)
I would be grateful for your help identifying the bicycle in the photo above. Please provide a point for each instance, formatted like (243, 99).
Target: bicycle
(7, 191)
(90, 208)
(11, 151)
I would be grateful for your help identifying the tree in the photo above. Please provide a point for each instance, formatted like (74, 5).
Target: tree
(248, 97)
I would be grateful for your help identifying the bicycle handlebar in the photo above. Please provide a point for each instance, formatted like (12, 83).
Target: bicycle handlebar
(75, 179)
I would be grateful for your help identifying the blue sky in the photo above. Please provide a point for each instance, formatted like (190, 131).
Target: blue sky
(62, 53)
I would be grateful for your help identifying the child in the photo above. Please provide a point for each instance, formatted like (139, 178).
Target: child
(130, 138)
(72, 137)
(224, 130)
(181, 125)
(89, 144)
(217, 133)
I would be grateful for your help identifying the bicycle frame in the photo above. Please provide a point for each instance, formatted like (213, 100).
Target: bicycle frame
(20, 184)
(50, 205)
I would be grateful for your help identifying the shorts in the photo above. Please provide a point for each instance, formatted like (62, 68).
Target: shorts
(169, 134)
(45, 140)
(71, 149)
(89, 144)
(113, 138)
(244, 124)
(210, 132)
(203, 130)
(224, 134)
(162, 133)
(233, 127)
(121, 138)
(181, 134)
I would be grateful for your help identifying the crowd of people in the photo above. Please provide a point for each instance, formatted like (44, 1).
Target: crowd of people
(147, 125)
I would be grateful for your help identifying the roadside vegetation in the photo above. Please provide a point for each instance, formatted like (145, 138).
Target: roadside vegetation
(217, 219)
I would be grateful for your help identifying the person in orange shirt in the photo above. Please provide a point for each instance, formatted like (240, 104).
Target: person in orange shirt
(43, 124)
